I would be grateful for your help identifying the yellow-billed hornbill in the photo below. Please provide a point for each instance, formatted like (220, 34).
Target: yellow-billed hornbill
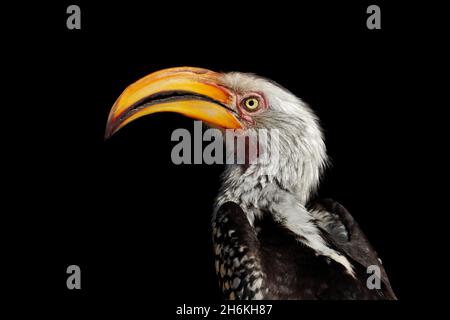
(270, 240)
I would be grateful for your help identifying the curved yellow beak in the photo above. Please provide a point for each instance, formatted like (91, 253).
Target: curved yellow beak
(193, 92)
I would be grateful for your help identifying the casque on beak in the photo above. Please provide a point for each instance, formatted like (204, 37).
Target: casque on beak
(193, 92)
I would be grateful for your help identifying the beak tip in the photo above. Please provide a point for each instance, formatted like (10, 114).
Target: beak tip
(108, 132)
(111, 127)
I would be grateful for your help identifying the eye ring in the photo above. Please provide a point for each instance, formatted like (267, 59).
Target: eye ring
(251, 103)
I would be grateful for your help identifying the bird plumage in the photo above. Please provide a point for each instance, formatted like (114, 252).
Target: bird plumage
(266, 261)
(271, 240)
(299, 250)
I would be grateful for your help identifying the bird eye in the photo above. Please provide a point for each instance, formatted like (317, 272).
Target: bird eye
(251, 104)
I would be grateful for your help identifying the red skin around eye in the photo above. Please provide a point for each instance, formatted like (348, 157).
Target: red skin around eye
(247, 115)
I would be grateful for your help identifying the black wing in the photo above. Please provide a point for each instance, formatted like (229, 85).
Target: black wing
(266, 261)
(346, 236)
(237, 254)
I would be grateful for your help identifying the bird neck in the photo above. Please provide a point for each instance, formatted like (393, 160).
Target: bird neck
(297, 173)
(258, 194)
(252, 186)
(291, 168)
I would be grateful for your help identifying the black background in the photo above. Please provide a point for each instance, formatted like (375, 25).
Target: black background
(137, 225)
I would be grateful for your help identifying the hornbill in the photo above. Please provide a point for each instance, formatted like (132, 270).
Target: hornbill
(271, 240)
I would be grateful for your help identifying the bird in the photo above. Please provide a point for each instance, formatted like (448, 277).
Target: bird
(273, 238)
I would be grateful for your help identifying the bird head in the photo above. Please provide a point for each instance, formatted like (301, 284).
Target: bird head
(237, 101)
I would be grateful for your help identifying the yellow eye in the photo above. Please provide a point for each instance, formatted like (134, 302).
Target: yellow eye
(251, 104)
